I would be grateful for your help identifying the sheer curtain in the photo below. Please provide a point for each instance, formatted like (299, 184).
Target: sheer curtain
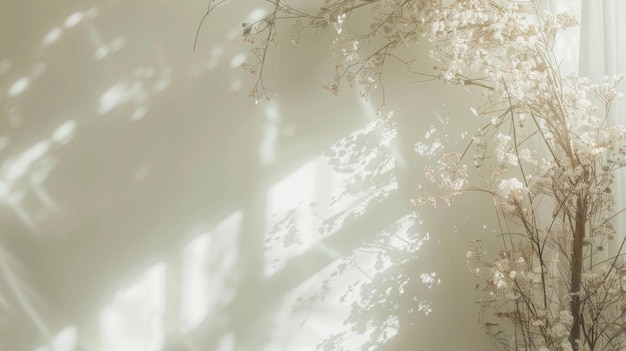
(603, 53)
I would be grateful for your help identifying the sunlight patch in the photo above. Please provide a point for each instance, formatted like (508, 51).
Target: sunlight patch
(117, 95)
(196, 298)
(237, 60)
(142, 86)
(208, 276)
(65, 340)
(318, 316)
(256, 15)
(18, 166)
(105, 50)
(65, 132)
(267, 149)
(73, 19)
(53, 35)
(292, 218)
(314, 201)
(101, 52)
(139, 113)
(295, 189)
(19, 86)
(133, 319)
(370, 286)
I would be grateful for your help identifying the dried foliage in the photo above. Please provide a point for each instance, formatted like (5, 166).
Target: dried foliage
(545, 152)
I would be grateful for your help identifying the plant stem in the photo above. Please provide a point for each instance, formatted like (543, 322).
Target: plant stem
(576, 271)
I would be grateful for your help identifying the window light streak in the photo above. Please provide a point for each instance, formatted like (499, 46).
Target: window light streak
(291, 239)
(23, 302)
(42, 195)
(65, 340)
(208, 267)
(440, 118)
(289, 203)
(267, 149)
(15, 201)
(22, 178)
(293, 190)
(328, 315)
(299, 202)
(371, 113)
(314, 324)
(133, 319)
(197, 295)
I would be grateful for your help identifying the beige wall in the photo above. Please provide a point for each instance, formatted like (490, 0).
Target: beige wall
(139, 183)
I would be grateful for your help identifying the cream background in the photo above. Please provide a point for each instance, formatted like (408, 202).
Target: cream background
(138, 182)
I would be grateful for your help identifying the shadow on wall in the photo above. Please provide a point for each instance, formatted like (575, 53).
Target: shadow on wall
(147, 204)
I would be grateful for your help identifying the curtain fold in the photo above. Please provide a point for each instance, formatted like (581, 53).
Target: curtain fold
(603, 53)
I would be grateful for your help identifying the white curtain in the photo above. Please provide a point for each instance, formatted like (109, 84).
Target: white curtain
(603, 53)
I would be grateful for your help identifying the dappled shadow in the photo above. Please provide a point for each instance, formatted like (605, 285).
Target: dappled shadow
(148, 204)
(378, 277)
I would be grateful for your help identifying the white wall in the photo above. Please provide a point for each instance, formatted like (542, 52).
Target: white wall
(139, 183)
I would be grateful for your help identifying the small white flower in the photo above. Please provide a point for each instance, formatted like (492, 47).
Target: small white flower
(512, 189)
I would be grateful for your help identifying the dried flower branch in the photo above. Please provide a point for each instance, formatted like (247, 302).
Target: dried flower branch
(545, 147)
